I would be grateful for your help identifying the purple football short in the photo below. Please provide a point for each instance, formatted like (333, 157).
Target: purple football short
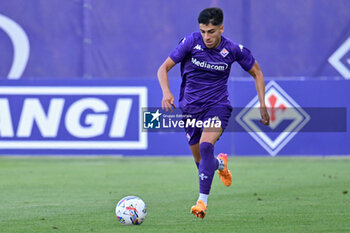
(193, 134)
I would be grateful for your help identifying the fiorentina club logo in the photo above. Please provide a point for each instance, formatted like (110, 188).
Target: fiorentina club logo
(340, 59)
(287, 118)
(224, 52)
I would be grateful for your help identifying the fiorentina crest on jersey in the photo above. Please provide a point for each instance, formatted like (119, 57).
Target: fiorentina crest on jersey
(224, 52)
(287, 118)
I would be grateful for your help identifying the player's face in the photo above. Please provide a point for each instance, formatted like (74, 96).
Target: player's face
(211, 34)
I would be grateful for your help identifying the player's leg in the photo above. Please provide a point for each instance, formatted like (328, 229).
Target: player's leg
(196, 154)
(223, 114)
(224, 173)
(193, 135)
(207, 167)
(209, 163)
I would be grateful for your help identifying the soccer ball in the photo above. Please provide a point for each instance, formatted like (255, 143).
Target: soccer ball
(131, 210)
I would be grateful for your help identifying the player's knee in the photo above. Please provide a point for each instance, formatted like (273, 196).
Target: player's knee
(206, 150)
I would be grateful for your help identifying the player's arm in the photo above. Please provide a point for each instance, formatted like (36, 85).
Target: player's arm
(258, 76)
(168, 98)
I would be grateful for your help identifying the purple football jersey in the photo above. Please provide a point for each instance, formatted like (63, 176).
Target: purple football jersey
(205, 71)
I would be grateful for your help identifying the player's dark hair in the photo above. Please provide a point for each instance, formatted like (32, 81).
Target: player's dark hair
(213, 15)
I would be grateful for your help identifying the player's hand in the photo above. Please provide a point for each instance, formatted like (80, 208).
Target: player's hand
(168, 102)
(265, 118)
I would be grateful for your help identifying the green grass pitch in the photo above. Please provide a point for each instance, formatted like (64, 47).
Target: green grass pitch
(57, 194)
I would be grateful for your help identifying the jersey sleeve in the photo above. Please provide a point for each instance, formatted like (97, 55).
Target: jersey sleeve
(182, 49)
(244, 57)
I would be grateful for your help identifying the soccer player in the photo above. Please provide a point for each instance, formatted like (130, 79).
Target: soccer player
(206, 58)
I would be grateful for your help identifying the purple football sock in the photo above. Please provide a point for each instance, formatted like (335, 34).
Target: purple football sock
(207, 167)
(197, 164)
